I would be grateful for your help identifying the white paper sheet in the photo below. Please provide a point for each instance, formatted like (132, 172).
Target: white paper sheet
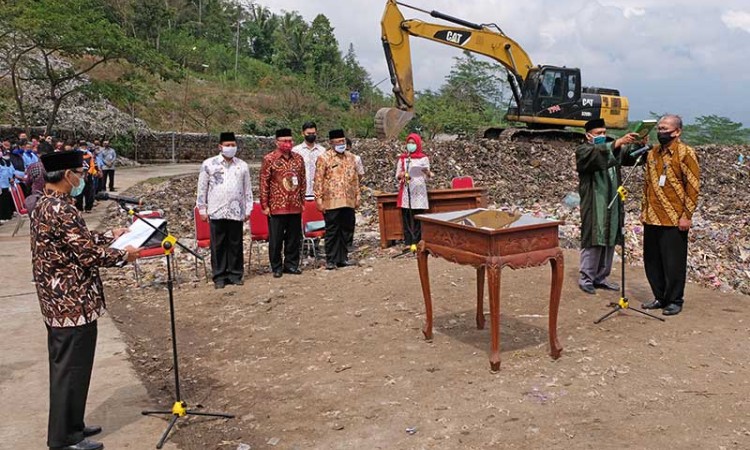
(138, 235)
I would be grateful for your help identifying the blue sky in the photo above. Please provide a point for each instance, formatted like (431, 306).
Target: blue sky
(688, 57)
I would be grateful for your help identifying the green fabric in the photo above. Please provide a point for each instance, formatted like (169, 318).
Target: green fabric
(598, 178)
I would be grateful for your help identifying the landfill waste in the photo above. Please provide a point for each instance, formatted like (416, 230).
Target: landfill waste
(537, 177)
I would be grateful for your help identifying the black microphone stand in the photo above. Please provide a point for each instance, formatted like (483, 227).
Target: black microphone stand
(179, 407)
(622, 194)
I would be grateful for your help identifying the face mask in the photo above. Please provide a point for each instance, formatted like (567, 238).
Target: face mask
(665, 138)
(310, 138)
(6, 156)
(78, 190)
(285, 147)
(341, 148)
(411, 148)
(228, 152)
(599, 140)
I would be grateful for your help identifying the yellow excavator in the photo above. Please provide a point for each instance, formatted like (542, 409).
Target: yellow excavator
(545, 97)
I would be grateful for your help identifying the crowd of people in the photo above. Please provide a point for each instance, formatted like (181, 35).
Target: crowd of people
(66, 255)
(21, 167)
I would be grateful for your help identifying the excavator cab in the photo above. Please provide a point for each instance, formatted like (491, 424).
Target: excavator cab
(549, 94)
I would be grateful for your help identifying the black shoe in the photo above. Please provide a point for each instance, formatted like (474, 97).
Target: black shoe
(655, 304)
(83, 445)
(330, 266)
(346, 263)
(608, 286)
(236, 282)
(277, 274)
(219, 285)
(672, 309)
(293, 271)
(587, 288)
(91, 431)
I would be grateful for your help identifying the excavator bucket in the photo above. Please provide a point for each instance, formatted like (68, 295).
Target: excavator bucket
(390, 121)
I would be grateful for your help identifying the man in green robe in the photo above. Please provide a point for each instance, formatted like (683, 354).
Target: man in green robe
(597, 162)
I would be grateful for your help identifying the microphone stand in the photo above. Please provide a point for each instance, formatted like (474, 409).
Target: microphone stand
(179, 407)
(622, 194)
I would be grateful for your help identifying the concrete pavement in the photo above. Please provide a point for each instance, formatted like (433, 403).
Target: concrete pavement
(116, 397)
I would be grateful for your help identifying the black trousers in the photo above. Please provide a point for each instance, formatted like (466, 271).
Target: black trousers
(85, 201)
(339, 229)
(665, 260)
(6, 205)
(227, 261)
(109, 174)
(412, 226)
(71, 358)
(350, 242)
(285, 232)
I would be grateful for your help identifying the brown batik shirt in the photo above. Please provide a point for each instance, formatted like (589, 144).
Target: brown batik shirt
(672, 185)
(65, 258)
(336, 180)
(282, 183)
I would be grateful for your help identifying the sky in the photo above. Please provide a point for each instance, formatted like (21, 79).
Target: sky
(689, 57)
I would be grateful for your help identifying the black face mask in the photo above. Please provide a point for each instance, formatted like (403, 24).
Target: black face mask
(310, 138)
(665, 138)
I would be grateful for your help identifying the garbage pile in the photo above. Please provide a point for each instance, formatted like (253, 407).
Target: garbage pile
(539, 178)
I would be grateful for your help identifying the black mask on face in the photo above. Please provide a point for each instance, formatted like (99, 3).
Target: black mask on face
(310, 138)
(665, 138)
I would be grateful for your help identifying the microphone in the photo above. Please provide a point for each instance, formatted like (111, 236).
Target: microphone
(640, 151)
(119, 198)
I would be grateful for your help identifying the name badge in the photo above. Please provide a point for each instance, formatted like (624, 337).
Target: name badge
(662, 181)
(295, 181)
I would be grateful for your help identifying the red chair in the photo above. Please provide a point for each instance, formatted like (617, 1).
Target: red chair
(462, 183)
(258, 230)
(153, 251)
(202, 238)
(19, 201)
(313, 227)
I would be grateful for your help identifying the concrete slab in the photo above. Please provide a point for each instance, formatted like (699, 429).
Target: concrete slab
(116, 397)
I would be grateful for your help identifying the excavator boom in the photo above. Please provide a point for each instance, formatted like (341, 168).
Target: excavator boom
(396, 31)
(545, 96)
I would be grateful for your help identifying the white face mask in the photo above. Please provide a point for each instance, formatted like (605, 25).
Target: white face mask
(228, 152)
(341, 148)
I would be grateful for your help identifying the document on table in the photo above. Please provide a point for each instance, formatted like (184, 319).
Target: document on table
(139, 233)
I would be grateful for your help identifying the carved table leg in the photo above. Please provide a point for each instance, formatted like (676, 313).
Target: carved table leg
(493, 278)
(480, 297)
(554, 303)
(424, 278)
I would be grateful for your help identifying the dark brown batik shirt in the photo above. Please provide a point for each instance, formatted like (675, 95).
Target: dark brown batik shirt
(65, 258)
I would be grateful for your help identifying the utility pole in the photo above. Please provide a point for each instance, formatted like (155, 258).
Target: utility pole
(237, 42)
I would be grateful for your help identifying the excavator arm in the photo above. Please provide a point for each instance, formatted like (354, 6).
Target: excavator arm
(477, 38)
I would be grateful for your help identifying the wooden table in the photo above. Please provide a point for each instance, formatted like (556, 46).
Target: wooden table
(441, 200)
(526, 242)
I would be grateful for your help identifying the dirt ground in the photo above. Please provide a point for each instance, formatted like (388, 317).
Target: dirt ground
(337, 360)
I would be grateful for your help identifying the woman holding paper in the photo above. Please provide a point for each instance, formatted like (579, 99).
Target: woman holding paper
(412, 173)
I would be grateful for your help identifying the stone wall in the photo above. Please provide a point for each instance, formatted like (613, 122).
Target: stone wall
(194, 147)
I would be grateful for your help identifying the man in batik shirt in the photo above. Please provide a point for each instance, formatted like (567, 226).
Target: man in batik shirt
(66, 257)
(282, 197)
(336, 196)
(225, 199)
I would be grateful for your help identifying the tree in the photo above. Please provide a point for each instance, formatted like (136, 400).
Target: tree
(323, 58)
(472, 98)
(259, 32)
(291, 43)
(713, 129)
(77, 30)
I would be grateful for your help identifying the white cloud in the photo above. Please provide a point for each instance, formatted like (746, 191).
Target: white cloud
(737, 19)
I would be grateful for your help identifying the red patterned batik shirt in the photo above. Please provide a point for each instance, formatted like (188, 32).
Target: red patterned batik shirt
(282, 183)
